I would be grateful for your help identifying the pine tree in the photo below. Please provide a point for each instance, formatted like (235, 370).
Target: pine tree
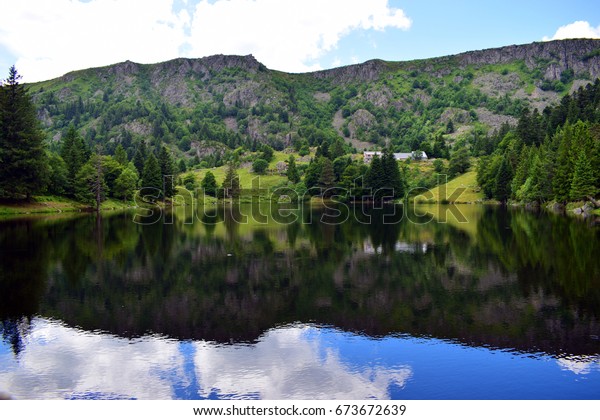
(326, 177)
(292, 171)
(151, 176)
(313, 172)
(75, 155)
(182, 167)
(209, 184)
(120, 155)
(167, 170)
(375, 177)
(563, 175)
(139, 159)
(583, 183)
(522, 170)
(231, 183)
(23, 168)
(459, 162)
(91, 187)
(503, 180)
(392, 178)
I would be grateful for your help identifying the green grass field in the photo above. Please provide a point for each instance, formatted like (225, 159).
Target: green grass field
(40, 204)
(248, 179)
(462, 189)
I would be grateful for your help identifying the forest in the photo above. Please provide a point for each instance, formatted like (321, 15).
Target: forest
(552, 156)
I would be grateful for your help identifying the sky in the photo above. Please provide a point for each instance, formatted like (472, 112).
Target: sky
(45, 39)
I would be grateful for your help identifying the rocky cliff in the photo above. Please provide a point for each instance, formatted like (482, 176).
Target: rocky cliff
(236, 100)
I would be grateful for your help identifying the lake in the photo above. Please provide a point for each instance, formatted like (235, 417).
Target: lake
(300, 302)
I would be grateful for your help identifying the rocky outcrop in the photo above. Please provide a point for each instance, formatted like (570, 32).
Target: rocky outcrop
(365, 72)
(579, 55)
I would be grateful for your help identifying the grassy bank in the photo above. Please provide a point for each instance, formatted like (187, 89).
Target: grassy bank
(461, 190)
(40, 204)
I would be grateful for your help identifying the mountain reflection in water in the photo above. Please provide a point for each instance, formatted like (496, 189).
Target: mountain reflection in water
(207, 307)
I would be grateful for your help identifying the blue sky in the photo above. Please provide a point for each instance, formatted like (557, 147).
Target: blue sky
(46, 39)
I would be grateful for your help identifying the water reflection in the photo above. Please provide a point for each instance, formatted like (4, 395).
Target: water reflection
(195, 309)
(290, 362)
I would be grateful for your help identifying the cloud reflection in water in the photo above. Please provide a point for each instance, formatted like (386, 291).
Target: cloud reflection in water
(287, 363)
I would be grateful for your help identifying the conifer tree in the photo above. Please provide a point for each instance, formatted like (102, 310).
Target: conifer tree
(139, 158)
(313, 172)
(231, 183)
(583, 183)
(90, 185)
(503, 182)
(374, 178)
(563, 176)
(326, 177)
(392, 178)
(120, 155)
(292, 171)
(23, 168)
(209, 184)
(151, 176)
(75, 155)
(522, 170)
(167, 170)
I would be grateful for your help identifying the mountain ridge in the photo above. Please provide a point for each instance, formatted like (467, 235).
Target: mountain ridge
(239, 101)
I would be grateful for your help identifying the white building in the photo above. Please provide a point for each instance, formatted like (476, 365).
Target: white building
(417, 155)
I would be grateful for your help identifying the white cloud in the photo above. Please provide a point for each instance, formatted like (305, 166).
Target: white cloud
(287, 363)
(578, 29)
(61, 362)
(292, 363)
(579, 365)
(51, 38)
(286, 35)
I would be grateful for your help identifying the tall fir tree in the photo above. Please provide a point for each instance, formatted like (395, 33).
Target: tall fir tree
(375, 177)
(292, 171)
(151, 177)
(326, 177)
(392, 178)
(583, 183)
(75, 154)
(503, 182)
(120, 155)
(313, 172)
(23, 168)
(563, 175)
(91, 188)
(139, 158)
(522, 170)
(167, 170)
(231, 183)
(209, 184)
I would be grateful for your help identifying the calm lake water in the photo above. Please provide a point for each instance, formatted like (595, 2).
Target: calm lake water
(463, 302)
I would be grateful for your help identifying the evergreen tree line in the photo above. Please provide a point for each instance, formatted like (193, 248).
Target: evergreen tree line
(381, 180)
(548, 156)
(91, 177)
(28, 166)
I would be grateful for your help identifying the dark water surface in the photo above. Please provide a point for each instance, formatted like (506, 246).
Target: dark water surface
(301, 304)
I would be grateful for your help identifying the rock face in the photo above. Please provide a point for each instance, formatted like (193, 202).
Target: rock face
(245, 98)
(364, 72)
(579, 55)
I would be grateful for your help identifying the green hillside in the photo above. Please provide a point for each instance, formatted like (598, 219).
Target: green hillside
(462, 189)
(203, 109)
